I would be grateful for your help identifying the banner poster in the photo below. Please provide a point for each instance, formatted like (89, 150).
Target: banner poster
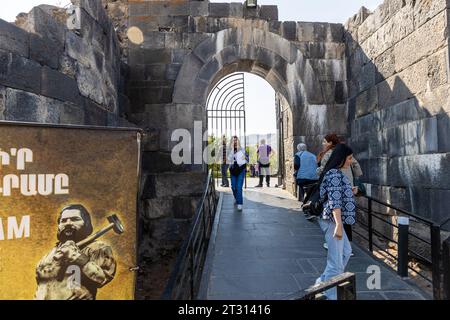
(68, 212)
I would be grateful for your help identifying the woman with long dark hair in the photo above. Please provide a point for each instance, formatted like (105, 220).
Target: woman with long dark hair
(338, 209)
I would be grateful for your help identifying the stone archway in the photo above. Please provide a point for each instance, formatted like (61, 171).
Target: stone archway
(269, 56)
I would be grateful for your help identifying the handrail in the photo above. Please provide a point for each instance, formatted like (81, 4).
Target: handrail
(185, 277)
(345, 284)
(403, 249)
(400, 210)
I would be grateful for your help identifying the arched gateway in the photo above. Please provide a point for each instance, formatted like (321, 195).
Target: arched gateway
(184, 48)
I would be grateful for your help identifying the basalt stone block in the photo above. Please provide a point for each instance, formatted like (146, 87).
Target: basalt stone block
(157, 208)
(443, 131)
(94, 114)
(219, 9)
(375, 145)
(184, 207)
(154, 40)
(178, 55)
(320, 31)
(199, 8)
(179, 184)
(236, 10)
(2, 102)
(72, 114)
(367, 102)
(206, 49)
(427, 171)
(275, 27)
(173, 70)
(150, 140)
(192, 40)
(151, 56)
(45, 51)
(305, 31)
(367, 77)
(340, 95)
(13, 39)
(159, 162)
(149, 191)
(385, 65)
(378, 171)
(402, 113)
(19, 72)
(269, 13)
(440, 202)
(42, 21)
(97, 11)
(173, 40)
(29, 107)
(68, 66)
(59, 86)
(289, 30)
(90, 84)
(335, 32)
(251, 13)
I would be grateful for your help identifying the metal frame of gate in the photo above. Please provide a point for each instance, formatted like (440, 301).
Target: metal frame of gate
(226, 112)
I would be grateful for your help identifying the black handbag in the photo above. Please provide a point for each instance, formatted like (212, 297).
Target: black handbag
(236, 170)
(313, 203)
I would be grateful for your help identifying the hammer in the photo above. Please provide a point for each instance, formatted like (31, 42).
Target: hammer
(114, 224)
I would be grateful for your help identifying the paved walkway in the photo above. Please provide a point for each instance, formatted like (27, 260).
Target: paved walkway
(270, 250)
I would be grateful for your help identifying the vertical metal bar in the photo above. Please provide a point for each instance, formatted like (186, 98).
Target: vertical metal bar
(403, 231)
(436, 260)
(370, 226)
(446, 264)
(245, 135)
(191, 249)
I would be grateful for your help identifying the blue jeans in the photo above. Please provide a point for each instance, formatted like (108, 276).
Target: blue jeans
(338, 255)
(237, 183)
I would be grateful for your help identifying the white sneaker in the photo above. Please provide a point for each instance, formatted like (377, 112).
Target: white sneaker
(325, 245)
(239, 207)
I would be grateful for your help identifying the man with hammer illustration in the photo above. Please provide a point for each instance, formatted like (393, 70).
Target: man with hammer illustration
(76, 256)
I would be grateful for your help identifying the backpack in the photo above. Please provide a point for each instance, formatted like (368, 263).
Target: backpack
(313, 204)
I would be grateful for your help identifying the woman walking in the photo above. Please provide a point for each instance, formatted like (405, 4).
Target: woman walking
(238, 159)
(339, 207)
(352, 172)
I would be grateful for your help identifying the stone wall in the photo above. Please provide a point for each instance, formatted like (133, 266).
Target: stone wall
(50, 74)
(397, 60)
(178, 50)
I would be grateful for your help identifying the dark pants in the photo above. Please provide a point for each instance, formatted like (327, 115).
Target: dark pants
(261, 180)
(224, 171)
(348, 231)
(302, 186)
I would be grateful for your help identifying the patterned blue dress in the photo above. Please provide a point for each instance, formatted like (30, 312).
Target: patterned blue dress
(340, 196)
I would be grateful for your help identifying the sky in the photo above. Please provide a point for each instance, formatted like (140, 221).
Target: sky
(260, 96)
(10, 9)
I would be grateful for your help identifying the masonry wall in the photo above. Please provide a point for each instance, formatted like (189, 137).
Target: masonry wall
(169, 31)
(49, 74)
(398, 76)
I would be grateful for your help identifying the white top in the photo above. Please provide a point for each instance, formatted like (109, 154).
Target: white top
(239, 156)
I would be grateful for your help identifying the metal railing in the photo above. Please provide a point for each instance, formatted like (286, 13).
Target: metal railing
(185, 279)
(345, 285)
(404, 250)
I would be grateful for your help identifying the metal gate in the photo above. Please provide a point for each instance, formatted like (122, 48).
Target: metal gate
(226, 115)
